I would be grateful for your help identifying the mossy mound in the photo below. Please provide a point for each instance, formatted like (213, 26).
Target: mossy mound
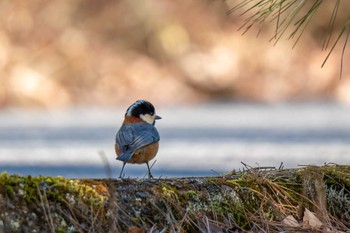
(253, 200)
(47, 204)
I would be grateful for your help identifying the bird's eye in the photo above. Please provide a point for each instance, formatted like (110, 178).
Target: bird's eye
(152, 113)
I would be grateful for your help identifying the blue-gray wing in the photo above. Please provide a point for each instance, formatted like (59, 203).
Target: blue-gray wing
(131, 137)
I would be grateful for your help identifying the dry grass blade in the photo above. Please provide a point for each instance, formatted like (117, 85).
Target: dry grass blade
(106, 164)
(72, 220)
(46, 209)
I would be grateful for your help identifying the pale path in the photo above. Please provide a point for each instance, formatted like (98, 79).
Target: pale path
(194, 140)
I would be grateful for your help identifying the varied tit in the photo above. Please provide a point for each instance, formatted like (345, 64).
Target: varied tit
(137, 140)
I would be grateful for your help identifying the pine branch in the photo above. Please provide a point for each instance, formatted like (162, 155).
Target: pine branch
(294, 15)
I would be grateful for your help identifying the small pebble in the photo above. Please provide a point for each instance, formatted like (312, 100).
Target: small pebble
(141, 194)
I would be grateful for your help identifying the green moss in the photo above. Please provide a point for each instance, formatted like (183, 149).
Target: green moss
(337, 175)
(136, 220)
(191, 193)
(249, 199)
(48, 196)
(169, 192)
(54, 187)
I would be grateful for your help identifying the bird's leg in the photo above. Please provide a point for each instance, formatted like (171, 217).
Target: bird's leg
(121, 172)
(149, 171)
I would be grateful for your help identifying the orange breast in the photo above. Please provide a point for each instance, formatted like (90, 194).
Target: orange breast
(143, 154)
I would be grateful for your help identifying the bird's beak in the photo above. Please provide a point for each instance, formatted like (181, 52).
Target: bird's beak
(158, 117)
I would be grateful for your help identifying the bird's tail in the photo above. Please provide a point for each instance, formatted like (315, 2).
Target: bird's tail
(124, 156)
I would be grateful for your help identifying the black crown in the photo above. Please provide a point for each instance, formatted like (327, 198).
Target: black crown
(140, 107)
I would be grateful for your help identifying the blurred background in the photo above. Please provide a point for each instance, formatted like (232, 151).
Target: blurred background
(69, 70)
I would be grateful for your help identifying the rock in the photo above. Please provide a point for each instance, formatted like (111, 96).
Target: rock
(10, 205)
(141, 194)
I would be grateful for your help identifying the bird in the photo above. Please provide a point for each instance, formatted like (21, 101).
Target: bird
(137, 140)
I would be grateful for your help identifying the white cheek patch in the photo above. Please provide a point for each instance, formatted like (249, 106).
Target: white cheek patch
(148, 118)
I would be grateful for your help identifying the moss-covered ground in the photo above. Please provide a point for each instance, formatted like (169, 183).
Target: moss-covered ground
(252, 200)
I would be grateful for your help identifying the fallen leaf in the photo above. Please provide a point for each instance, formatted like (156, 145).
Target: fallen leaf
(135, 230)
(311, 220)
(290, 221)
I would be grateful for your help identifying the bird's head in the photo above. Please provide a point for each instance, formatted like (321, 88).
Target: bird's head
(144, 110)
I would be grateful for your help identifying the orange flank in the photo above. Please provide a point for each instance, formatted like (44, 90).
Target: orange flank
(143, 154)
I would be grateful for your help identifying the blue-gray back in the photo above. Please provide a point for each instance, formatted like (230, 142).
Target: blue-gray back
(131, 137)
